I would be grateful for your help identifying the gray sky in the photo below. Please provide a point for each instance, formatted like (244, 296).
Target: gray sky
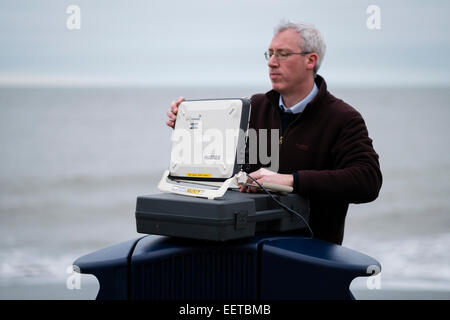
(212, 42)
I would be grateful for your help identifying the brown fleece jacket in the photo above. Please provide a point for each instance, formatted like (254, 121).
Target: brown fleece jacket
(329, 147)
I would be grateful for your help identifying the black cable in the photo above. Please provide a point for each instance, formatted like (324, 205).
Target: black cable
(283, 205)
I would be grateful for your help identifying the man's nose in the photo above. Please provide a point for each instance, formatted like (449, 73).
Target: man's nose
(273, 62)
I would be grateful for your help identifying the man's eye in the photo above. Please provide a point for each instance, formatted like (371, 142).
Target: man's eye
(283, 54)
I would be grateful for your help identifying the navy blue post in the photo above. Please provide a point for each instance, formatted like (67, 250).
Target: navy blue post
(306, 269)
(111, 268)
(271, 267)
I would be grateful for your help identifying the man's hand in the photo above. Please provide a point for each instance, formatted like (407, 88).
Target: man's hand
(173, 111)
(263, 175)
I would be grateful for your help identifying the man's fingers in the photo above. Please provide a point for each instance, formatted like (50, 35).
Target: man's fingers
(261, 175)
(174, 107)
(248, 189)
(252, 189)
(256, 174)
(180, 100)
(172, 112)
(176, 104)
(171, 115)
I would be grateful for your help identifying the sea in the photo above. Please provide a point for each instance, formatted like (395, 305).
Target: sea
(74, 160)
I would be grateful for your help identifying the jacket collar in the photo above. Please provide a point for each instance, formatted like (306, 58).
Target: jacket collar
(274, 96)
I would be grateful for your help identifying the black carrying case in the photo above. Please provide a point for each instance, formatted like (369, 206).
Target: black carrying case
(233, 216)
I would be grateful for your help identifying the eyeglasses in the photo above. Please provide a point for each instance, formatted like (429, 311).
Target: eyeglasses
(281, 55)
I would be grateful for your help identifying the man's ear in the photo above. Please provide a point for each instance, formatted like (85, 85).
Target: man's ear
(312, 60)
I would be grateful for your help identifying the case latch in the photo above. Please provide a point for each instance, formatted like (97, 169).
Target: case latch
(240, 219)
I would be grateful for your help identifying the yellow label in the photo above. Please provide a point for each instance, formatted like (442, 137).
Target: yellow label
(199, 175)
(194, 191)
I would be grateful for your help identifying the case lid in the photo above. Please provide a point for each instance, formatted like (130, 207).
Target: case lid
(208, 141)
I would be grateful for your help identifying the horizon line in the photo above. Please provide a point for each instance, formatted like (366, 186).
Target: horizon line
(110, 82)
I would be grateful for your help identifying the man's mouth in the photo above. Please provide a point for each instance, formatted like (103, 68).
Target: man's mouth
(274, 75)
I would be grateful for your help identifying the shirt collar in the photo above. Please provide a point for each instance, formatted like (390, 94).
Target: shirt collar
(299, 107)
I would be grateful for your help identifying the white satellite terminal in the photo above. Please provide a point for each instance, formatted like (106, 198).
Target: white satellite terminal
(208, 149)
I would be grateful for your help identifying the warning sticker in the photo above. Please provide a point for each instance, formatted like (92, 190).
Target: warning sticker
(199, 175)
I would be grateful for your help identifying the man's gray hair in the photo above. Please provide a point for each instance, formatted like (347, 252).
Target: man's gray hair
(310, 39)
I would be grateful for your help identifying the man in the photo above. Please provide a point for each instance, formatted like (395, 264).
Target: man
(325, 152)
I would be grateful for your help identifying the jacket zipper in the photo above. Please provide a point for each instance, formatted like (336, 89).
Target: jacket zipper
(285, 131)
